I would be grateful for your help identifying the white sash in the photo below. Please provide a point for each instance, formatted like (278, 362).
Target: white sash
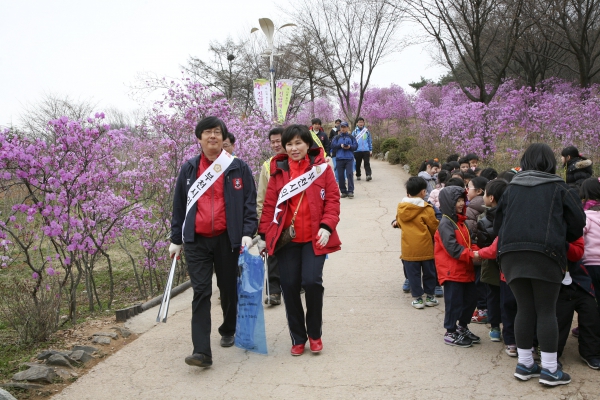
(359, 134)
(206, 180)
(298, 185)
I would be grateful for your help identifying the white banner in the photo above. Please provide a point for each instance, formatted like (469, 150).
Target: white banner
(298, 185)
(206, 180)
(262, 95)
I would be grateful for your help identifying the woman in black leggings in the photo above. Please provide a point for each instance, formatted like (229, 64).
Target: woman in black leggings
(537, 215)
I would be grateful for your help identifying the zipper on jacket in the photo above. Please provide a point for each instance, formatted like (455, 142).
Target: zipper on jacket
(212, 209)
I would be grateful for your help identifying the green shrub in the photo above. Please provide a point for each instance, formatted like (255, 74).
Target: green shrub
(396, 156)
(389, 144)
(407, 143)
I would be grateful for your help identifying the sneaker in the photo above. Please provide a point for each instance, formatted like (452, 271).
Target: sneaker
(350, 195)
(431, 301)
(406, 286)
(554, 379)
(523, 373)
(298, 350)
(358, 178)
(511, 350)
(467, 333)
(274, 299)
(418, 303)
(316, 345)
(199, 360)
(495, 335)
(575, 332)
(344, 195)
(456, 339)
(480, 318)
(593, 363)
(369, 177)
(439, 292)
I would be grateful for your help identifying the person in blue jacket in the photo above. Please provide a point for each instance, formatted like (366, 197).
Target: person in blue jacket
(344, 145)
(364, 151)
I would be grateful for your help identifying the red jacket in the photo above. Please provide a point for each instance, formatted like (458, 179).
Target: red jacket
(322, 198)
(453, 249)
(211, 219)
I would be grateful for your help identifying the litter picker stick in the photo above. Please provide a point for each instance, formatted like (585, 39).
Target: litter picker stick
(164, 305)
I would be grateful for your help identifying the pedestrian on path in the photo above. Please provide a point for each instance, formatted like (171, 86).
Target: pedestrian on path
(298, 224)
(344, 145)
(364, 151)
(533, 259)
(214, 214)
(263, 180)
(317, 131)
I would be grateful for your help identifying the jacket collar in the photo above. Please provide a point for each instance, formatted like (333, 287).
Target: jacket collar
(534, 178)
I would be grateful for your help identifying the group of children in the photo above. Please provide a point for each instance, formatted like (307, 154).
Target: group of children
(448, 240)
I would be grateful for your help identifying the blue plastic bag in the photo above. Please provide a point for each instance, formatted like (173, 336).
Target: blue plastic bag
(250, 326)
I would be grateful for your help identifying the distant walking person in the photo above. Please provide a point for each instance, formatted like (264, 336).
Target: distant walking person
(214, 214)
(317, 131)
(364, 151)
(298, 224)
(344, 145)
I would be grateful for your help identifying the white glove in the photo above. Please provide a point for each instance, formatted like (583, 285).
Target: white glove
(262, 245)
(323, 237)
(175, 250)
(246, 242)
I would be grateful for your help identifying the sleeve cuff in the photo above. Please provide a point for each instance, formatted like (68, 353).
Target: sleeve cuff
(326, 228)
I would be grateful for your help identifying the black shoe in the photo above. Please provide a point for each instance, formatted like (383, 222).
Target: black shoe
(344, 195)
(198, 360)
(369, 177)
(593, 363)
(468, 334)
(358, 178)
(350, 195)
(227, 341)
(274, 299)
(456, 339)
(523, 373)
(554, 379)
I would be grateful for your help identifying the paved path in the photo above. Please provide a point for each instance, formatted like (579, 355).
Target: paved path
(376, 345)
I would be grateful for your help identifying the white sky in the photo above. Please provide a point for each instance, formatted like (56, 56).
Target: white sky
(95, 50)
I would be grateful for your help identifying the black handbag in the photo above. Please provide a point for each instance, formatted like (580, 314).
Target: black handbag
(288, 234)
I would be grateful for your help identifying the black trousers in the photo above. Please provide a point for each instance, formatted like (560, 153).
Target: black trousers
(416, 271)
(594, 272)
(301, 268)
(571, 299)
(493, 305)
(482, 289)
(202, 256)
(273, 271)
(361, 156)
(460, 299)
(508, 305)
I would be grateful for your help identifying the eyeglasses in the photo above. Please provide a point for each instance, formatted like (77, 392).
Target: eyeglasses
(212, 132)
(226, 145)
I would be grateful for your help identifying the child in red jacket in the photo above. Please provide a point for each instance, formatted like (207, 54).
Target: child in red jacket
(454, 263)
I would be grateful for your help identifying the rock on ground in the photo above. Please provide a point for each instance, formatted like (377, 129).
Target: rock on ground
(111, 335)
(101, 340)
(36, 374)
(87, 349)
(80, 356)
(4, 395)
(58, 361)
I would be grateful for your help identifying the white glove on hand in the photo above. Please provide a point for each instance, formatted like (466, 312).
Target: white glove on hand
(323, 237)
(246, 242)
(175, 250)
(262, 246)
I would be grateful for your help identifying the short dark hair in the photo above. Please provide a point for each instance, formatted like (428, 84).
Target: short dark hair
(296, 130)
(452, 157)
(443, 176)
(210, 123)
(489, 173)
(590, 189)
(425, 163)
(463, 160)
(539, 157)
(456, 172)
(472, 156)
(338, 120)
(469, 175)
(570, 151)
(479, 182)
(496, 188)
(363, 120)
(455, 182)
(507, 175)
(454, 165)
(276, 131)
(231, 138)
(316, 121)
(414, 185)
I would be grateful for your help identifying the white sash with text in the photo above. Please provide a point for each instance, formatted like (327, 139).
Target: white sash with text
(298, 185)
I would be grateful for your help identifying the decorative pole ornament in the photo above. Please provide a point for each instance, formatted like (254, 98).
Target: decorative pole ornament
(269, 30)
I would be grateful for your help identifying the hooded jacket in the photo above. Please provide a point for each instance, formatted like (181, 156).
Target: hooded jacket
(322, 196)
(475, 208)
(418, 223)
(538, 212)
(240, 202)
(578, 169)
(430, 182)
(453, 248)
(490, 270)
(591, 234)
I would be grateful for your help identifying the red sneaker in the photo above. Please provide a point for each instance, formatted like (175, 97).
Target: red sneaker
(298, 349)
(316, 345)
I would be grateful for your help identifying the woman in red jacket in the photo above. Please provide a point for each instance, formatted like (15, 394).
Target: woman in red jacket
(302, 194)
